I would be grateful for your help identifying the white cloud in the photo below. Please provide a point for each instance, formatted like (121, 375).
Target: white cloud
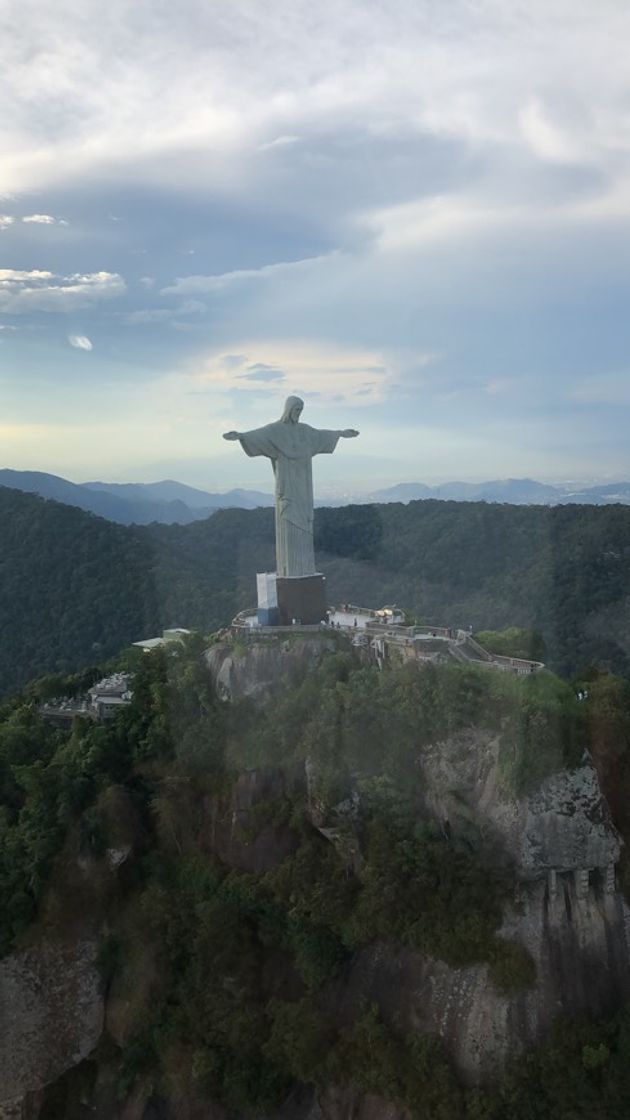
(40, 219)
(24, 291)
(550, 78)
(546, 138)
(6, 220)
(326, 372)
(10, 276)
(80, 342)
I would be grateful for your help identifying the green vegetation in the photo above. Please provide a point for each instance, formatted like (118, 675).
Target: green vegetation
(75, 588)
(514, 641)
(231, 978)
(544, 732)
(372, 724)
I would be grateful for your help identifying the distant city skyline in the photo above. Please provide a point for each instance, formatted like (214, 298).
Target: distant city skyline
(415, 216)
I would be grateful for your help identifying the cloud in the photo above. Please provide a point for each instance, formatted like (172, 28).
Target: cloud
(24, 291)
(546, 139)
(6, 220)
(9, 276)
(41, 219)
(148, 315)
(325, 371)
(279, 142)
(245, 81)
(259, 371)
(162, 314)
(399, 180)
(211, 285)
(80, 342)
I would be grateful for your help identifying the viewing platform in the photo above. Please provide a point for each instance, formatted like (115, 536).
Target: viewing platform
(380, 631)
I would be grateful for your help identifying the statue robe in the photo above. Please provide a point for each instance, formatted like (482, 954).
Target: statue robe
(291, 448)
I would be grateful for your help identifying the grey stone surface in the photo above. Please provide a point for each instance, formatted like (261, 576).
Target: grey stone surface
(262, 669)
(51, 1014)
(562, 825)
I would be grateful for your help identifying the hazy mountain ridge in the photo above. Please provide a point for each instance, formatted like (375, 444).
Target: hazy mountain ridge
(514, 491)
(167, 502)
(169, 491)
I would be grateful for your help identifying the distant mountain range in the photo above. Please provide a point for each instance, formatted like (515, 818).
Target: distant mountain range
(514, 491)
(173, 503)
(167, 502)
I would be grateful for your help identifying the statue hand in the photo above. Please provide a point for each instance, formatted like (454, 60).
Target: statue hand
(230, 435)
(349, 433)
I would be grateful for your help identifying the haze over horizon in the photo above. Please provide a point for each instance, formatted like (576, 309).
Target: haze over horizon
(416, 218)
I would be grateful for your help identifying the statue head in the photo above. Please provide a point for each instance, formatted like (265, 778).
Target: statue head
(292, 409)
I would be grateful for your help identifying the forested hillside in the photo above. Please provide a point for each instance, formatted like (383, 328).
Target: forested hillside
(238, 935)
(74, 587)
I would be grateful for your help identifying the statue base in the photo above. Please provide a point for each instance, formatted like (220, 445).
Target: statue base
(268, 613)
(301, 599)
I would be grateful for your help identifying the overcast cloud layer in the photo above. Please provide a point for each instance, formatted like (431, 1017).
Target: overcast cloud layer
(416, 215)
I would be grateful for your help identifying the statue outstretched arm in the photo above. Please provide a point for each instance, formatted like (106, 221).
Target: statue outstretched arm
(349, 433)
(231, 435)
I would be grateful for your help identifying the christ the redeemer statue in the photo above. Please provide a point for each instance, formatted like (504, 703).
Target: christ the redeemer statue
(291, 446)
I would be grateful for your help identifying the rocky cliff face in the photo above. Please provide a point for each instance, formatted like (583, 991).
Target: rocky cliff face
(568, 914)
(559, 841)
(51, 1016)
(562, 848)
(260, 669)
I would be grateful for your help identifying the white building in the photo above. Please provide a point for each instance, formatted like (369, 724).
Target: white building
(176, 634)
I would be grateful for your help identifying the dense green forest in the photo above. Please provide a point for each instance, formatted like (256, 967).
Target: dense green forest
(74, 588)
(243, 965)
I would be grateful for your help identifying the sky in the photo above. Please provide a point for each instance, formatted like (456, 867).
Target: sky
(415, 215)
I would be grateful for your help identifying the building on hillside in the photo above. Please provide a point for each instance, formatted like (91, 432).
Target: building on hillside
(110, 694)
(175, 634)
(101, 702)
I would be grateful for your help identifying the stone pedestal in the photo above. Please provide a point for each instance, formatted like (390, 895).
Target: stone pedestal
(301, 599)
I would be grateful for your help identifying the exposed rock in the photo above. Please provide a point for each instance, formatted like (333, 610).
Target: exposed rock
(337, 824)
(563, 825)
(581, 949)
(558, 839)
(258, 670)
(242, 828)
(567, 914)
(117, 856)
(51, 1015)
